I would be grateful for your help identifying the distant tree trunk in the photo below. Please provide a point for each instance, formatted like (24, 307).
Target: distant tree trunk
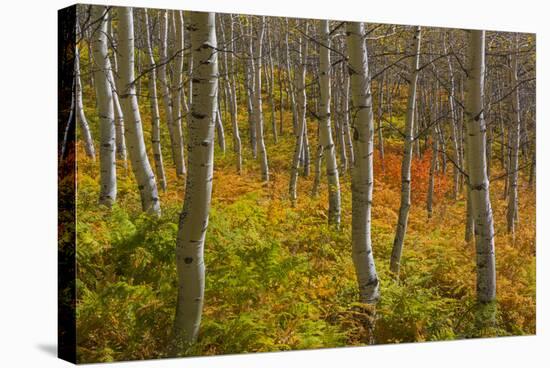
(380, 114)
(301, 111)
(233, 100)
(362, 171)
(249, 80)
(104, 97)
(177, 110)
(325, 133)
(346, 123)
(194, 216)
(143, 173)
(119, 118)
(81, 117)
(155, 129)
(429, 200)
(478, 182)
(454, 133)
(515, 125)
(270, 77)
(257, 105)
(219, 128)
(290, 82)
(407, 159)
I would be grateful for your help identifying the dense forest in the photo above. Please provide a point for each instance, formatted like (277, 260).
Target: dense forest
(250, 183)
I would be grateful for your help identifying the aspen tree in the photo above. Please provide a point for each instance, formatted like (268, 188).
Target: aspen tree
(362, 171)
(104, 97)
(514, 132)
(325, 133)
(177, 118)
(257, 104)
(194, 216)
(407, 159)
(80, 115)
(153, 100)
(143, 173)
(478, 182)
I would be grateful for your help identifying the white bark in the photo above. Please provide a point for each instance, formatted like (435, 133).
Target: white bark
(362, 171)
(80, 116)
(153, 100)
(143, 173)
(301, 112)
(194, 217)
(478, 181)
(104, 97)
(257, 104)
(325, 132)
(515, 120)
(177, 143)
(237, 147)
(407, 159)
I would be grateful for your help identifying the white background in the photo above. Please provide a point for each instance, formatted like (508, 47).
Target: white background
(28, 181)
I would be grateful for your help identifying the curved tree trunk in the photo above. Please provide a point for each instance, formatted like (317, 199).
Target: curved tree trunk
(194, 217)
(362, 171)
(143, 173)
(104, 97)
(407, 160)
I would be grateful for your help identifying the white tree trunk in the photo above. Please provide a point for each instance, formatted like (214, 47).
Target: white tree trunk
(233, 100)
(153, 100)
(104, 97)
(257, 105)
(325, 131)
(478, 182)
(80, 116)
(194, 217)
(514, 132)
(407, 158)
(301, 112)
(143, 173)
(177, 143)
(362, 171)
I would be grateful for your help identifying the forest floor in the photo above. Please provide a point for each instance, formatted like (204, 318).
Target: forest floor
(278, 277)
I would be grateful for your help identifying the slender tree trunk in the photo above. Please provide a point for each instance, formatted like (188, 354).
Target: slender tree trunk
(407, 159)
(104, 97)
(177, 110)
(233, 100)
(325, 131)
(478, 182)
(143, 173)
(194, 216)
(81, 117)
(301, 111)
(257, 105)
(346, 124)
(515, 128)
(153, 100)
(362, 171)
(429, 200)
(119, 118)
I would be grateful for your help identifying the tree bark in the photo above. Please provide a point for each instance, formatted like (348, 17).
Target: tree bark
(153, 100)
(143, 173)
(104, 97)
(478, 181)
(407, 159)
(257, 105)
(194, 216)
(362, 171)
